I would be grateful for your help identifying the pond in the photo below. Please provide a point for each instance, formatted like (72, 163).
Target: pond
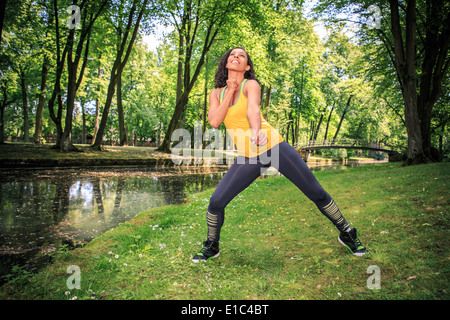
(41, 210)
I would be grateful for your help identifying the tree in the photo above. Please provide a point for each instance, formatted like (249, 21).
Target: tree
(416, 37)
(123, 52)
(148, 94)
(421, 92)
(21, 51)
(2, 16)
(90, 13)
(190, 20)
(340, 80)
(45, 22)
(6, 82)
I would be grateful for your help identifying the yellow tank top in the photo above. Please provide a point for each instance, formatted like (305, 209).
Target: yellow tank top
(238, 127)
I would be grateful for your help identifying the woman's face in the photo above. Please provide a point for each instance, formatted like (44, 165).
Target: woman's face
(238, 60)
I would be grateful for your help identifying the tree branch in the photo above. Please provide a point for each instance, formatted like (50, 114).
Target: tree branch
(398, 41)
(442, 61)
(410, 39)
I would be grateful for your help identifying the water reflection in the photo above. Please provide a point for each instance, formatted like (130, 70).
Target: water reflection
(40, 210)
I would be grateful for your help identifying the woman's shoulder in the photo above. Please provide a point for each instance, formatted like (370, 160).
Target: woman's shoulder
(216, 92)
(253, 81)
(251, 84)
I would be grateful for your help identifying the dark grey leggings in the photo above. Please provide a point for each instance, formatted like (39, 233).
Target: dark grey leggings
(245, 170)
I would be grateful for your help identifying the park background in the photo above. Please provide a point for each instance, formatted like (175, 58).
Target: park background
(75, 84)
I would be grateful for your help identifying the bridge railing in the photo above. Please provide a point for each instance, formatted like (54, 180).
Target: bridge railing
(353, 143)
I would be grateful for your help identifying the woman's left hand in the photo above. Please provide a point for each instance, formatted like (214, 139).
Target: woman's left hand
(259, 138)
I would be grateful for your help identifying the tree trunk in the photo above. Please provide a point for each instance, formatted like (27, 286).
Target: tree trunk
(312, 129)
(2, 16)
(319, 124)
(40, 107)
(97, 108)
(66, 139)
(101, 129)
(267, 102)
(83, 130)
(72, 66)
(122, 128)
(42, 94)
(26, 125)
(3, 105)
(205, 102)
(180, 68)
(263, 88)
(2, 123)
(441, 134)
(56, 94)
(342, 118)
(288, 126)
(328, 122)
(415, 143)
(179, 109)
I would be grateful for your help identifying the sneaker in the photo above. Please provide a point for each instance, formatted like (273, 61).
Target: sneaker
(210, 250)
(350, 240)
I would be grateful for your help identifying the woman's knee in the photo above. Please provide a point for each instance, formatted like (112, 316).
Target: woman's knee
(320, 196)
(216, 204)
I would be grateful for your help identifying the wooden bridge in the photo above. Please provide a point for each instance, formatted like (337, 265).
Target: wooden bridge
(344, 144)
(308, 146)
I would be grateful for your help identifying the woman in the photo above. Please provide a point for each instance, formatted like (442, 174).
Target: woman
(236, 101)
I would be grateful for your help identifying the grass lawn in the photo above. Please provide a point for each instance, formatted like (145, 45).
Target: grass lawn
(275, 244)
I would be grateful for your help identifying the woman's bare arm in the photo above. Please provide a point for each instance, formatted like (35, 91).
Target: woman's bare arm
(218, 111)
(254, 113)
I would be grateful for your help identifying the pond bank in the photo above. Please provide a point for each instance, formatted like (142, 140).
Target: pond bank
(16, 155)
(152, 162)
(313, 161)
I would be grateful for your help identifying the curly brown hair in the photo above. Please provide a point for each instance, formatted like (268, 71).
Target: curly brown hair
(221, 76)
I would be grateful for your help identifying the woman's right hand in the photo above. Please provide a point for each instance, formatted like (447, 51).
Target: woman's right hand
(232, 85)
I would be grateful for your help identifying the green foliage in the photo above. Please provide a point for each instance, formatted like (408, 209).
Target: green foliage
(19, 276)
(335, 153)
(303, 77)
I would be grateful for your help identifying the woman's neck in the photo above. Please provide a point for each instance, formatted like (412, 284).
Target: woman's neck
(239, 76)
